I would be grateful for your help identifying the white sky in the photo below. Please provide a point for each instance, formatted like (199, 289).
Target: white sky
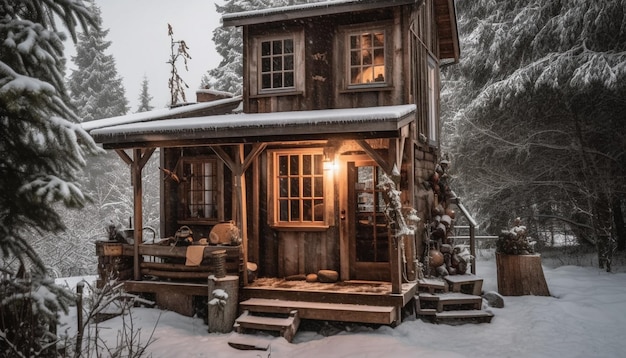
(141, 46)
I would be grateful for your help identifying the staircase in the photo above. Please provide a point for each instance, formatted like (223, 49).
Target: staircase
(453, 299)
(285, 325)
(284, 316)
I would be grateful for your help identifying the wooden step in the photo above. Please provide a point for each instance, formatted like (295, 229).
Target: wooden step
(443, 300)
(287, 326)
(323, 311)
(467, 283)
(432, 285)
(474, 316)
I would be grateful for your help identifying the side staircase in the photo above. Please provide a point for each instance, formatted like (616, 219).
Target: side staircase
(452, 299)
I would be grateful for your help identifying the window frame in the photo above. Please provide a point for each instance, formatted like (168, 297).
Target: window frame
(185, 188)
(274, 199)
(256, 69)
(344, 46)
(433, 101)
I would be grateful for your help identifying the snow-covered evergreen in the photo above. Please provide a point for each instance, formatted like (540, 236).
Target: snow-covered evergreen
(97, 89)
(144, 97)
(535, 112)
(43, 147)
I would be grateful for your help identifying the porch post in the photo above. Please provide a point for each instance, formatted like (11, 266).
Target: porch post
(139, 160)
(242, 218)
(137, 210)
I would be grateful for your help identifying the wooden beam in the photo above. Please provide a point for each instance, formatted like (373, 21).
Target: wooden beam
(127, 159)
(382, 162)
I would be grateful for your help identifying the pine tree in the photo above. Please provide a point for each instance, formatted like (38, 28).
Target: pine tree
(97, 90)
(535, 108)
(43, 147)
(228, 76)
(144, 97)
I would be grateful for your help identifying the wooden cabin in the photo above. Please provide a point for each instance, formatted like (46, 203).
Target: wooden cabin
(337, 97)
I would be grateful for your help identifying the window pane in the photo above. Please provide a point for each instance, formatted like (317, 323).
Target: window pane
(265, 48)
(319, 187)
(379, 39)
(318, 210)
(307, 187)
(288, 46)
(295, 210)
(289, 79)
(266, 81)
(307, 165)
(354, 42)
(294, 187)
(294, 165)
(277, 80)
(366, 41)
(355, 75)
(379, 56)
(277, 64)
(355, 58)
(367, 57)
(319, 164)
(284, 210)
(288, 62)
(307, 206)
(277, 47)
(266, 64)
(283, 187)
(282, 165)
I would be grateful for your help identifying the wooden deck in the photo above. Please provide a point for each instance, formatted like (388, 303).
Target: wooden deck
(347, 301)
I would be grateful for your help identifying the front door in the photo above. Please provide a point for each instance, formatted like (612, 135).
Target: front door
(367, 226)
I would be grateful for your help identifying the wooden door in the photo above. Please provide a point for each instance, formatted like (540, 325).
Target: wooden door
(368, 230)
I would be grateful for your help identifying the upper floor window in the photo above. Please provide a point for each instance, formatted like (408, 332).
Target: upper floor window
(367, 60)
(277, 64)
(299, 189)
(367, 57)
(200, 189)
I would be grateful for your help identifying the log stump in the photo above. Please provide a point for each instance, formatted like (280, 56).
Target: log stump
(223, 303)
(520, 275)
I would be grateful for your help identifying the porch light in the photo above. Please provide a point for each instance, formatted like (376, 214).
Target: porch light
(328, 160)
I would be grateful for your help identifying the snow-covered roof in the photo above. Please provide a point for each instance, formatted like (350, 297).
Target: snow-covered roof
(306, 10)
(188, 110)
(371, 122)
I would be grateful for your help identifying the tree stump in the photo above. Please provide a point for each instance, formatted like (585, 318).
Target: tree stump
(520, 275)
(223, 303)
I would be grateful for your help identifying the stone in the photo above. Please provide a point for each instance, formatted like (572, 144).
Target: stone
(494, 299)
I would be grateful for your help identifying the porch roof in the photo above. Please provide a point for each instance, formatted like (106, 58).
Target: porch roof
(352, 123)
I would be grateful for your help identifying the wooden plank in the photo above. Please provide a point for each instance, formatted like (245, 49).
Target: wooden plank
(458, 282)
(324, 311)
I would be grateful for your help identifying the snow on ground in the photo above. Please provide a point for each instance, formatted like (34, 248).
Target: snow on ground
(585, 317)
